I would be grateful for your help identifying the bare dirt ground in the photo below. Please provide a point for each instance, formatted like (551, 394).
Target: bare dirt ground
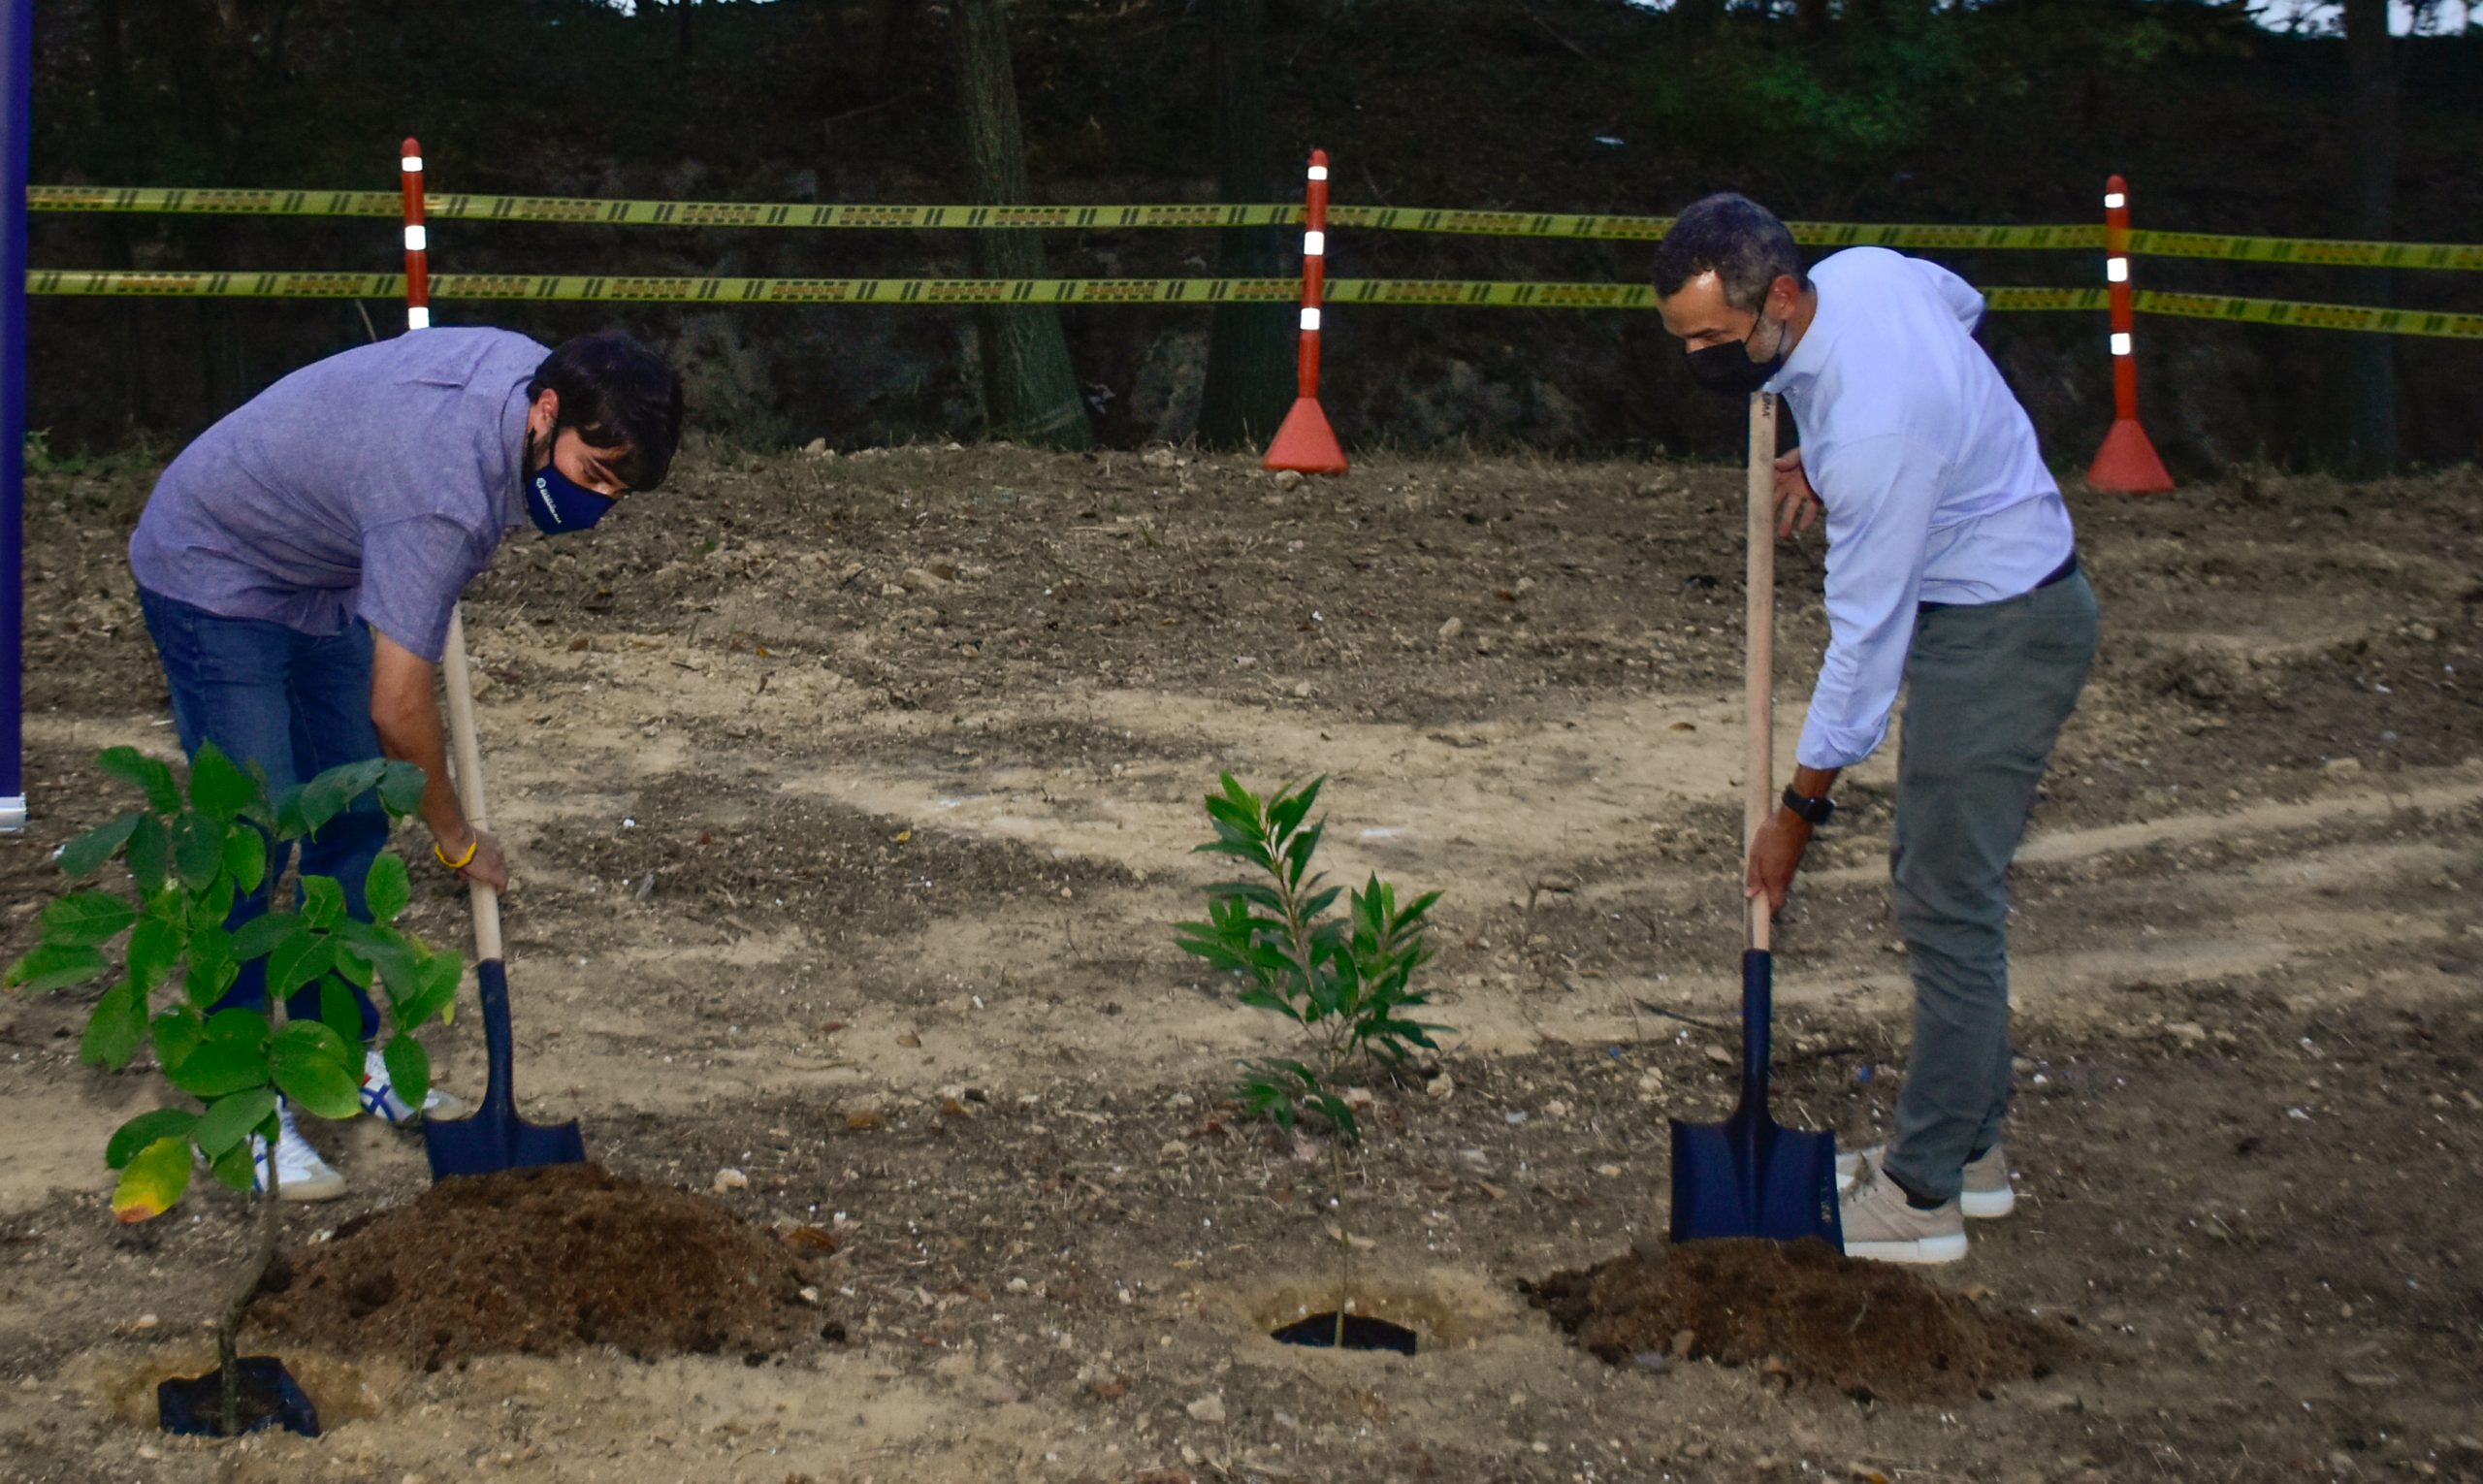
(844, 785)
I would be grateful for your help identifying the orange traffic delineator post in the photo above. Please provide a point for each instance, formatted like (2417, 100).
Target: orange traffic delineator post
(409, 165)
(1304, 441)
(2127, 462)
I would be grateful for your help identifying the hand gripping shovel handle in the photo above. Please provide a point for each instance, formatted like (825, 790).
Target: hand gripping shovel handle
(486, 902)
(1758, 701)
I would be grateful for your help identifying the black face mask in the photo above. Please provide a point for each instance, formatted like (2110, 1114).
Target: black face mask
(1727, 368)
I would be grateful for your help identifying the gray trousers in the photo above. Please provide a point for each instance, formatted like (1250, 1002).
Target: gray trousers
(1987, 688)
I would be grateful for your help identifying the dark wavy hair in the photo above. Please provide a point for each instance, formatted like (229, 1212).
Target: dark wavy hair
(1733, 237)
(617, 394)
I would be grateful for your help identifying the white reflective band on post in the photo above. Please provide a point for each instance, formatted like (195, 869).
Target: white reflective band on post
(413, 164)
(2120, 342)
(417, 240)
(1310, 319)
(419, 318)
(1318, 172)
(2117, 270)
(1314, 245)
(2115, 201)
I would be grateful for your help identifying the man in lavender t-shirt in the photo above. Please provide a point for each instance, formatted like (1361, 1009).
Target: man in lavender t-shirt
(298, 565)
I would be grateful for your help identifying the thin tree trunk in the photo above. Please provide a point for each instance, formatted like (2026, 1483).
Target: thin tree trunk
(1251, 348)
(2370, 439)
(1030, 393)
(228, 1329)
(1696, 18)
(1813, 15)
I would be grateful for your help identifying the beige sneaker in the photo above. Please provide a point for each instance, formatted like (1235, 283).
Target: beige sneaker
(1881, 1225)
(1987, 1195)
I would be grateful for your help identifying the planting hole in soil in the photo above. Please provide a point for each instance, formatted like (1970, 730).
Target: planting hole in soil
(543, 1261)
(270, 1398)
(1319, 1331)
(1801, 1312)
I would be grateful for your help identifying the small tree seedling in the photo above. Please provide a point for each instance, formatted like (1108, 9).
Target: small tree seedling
(191, 852)
(1346, 983)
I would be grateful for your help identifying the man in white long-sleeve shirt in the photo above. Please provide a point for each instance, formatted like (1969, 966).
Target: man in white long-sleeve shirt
(1951, 570)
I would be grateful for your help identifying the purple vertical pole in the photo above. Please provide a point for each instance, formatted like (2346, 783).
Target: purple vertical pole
(16, 126)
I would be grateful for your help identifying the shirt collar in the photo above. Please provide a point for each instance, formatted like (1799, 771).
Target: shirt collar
(1810, 353)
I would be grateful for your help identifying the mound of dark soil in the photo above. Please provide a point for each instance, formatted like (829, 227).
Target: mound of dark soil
(542, 1261)
(1802, 1311)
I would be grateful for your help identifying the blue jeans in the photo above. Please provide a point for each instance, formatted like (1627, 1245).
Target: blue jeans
(297, 705)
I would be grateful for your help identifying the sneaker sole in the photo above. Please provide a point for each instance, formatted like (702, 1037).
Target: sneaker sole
(1987, 1205)
(1974, 1205)
(1922, 1251)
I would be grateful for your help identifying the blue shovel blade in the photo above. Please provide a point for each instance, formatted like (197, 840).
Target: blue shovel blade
(1748, 1177)
(1751, 1176)
(494, 1138)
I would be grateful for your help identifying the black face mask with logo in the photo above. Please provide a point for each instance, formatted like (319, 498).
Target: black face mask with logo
(1729, 370)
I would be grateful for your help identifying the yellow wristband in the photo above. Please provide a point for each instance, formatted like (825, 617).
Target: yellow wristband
(461, 862)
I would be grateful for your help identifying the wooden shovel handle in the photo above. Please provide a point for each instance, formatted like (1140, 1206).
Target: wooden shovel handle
(460, 685)
(1758, 793)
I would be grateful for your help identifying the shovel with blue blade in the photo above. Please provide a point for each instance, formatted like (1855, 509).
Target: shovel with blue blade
(494, 1138)
(1751, 1176)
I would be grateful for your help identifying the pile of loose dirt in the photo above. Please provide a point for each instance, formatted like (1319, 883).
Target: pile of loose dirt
(1802, 1311)
(542, 1261)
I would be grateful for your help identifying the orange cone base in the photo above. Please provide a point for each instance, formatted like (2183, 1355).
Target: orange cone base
(1306, 443)
(2127, 462)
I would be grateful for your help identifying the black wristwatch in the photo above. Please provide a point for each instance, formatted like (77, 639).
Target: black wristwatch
(1814, 811)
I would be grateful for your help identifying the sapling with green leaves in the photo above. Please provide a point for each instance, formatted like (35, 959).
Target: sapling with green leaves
(191, 854)
(1346, 983)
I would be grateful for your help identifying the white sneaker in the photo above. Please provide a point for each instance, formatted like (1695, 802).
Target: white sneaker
(300, 1174)
(1987, 1194)
(1880, 1224)
(379, 1096)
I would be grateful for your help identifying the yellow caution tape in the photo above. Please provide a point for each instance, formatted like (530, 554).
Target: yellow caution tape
(1420, 293)
(643, 213)
(2312, 316)
(2320, 253)
(577, 210)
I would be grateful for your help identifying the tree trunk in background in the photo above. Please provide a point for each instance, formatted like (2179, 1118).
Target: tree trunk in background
(1030, 393)
(2371, 432)
(1695, 18)
(1814, 16)
(680, 9)
(1250, 346)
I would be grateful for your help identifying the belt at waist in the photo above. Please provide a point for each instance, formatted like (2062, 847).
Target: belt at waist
(2060, 573)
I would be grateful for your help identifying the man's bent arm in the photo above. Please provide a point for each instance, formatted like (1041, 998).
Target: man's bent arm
(406, 710)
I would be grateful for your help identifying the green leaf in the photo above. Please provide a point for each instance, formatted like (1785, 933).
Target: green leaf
(299, 959)
(233, 1171)
(217, 787)
(1338, 1114)
(1297, 849)
(50, 967)
(212, 907)
(1241, 797)
(117, 1028)
(388, 889)
(150, 854)
(129, 765)
(1285, 815)
(401, 789)
(291, 823)
(154, 1180)
(87, 854)
(323, 901)
(144, 1129)
(153, 949)
(232, 1058)
(256, 937)
(308, 1062)
(198, 849)
(332, 791)
(338, 1010)
(232, 1120)
(178, 1032)
(408, 1070)
(245, 857)
(441, 975)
